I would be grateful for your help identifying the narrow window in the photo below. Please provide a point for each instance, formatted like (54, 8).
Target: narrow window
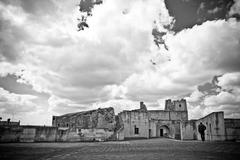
(180, 105)
(136, 130)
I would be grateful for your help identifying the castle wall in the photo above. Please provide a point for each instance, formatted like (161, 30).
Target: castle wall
(232, 129)
(100, 119)
(102, 124)
(189, 130)
(83, 126)
(159, 114)
(171, 128)
(153, 128)
(149, 127)
(38, 134)
(215, 128)
(178, 115)
(10, 133)
(168, 115)
(136, 124)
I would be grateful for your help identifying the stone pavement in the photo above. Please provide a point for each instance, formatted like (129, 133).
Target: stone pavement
(152, 149)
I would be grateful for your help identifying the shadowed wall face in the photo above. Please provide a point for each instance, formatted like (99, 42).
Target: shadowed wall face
(232, 129)
(99, 119)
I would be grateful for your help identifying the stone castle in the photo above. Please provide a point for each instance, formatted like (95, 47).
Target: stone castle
(102, 124)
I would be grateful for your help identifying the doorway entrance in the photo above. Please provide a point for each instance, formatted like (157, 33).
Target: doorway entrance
(163, 131)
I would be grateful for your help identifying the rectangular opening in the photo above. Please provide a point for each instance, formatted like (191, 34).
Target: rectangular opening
(161, 132)
(136, 130)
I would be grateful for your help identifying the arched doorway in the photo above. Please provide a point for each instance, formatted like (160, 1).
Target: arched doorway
(163, 131)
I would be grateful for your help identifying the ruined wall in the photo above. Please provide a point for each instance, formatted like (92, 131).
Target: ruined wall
(71, 125)
(232, 129)
(10, 133)
(27, 134)
(133, 121)
(120, 135)
(168, 115)
(100, 119)
(151, 123)
(38, 134)
(96, 134)
(215, 128)
(159, 114)
(153, 128)
(179, 115)
(171, 128)
(188, 130)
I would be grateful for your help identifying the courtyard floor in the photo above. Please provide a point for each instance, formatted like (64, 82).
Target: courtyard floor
(157, 149)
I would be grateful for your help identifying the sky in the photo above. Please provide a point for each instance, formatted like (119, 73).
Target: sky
(48, 67)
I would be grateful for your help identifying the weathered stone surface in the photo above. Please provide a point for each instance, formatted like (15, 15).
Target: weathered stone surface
(215, 129)
(232, 129)
(86, 126)
(143, 123)
(102, 118)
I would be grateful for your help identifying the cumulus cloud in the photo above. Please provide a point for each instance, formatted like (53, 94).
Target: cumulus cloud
(11, 103)
(230, 91)
(50, 55)
(225, 98)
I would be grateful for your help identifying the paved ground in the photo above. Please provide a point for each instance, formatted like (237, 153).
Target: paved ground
(131, 150)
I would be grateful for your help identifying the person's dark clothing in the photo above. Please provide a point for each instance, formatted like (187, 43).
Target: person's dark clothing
(201, 130)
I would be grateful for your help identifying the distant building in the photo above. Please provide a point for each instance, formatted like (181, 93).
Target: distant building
(102, 124)
(143, 123)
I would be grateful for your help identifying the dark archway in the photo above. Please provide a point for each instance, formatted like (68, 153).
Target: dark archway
(163, 131)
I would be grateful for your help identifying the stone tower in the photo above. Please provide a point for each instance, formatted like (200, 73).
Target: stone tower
(176, 105)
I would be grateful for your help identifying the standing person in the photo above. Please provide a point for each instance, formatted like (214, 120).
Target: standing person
(201, 130)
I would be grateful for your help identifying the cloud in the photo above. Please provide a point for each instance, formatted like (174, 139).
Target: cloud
(81, 67)
(62, 106)
(225, 98)
(235, 9)
(109, 63)
(214, 11)
(188, 62)
(229, 81)
(195, 96)
(11, 103)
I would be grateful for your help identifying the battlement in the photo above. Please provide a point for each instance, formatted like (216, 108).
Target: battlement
(176, 105)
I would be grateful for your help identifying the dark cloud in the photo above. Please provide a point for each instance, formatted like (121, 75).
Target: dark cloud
(86, 6)
(10, 84)
(210, 88)
(197, 11)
